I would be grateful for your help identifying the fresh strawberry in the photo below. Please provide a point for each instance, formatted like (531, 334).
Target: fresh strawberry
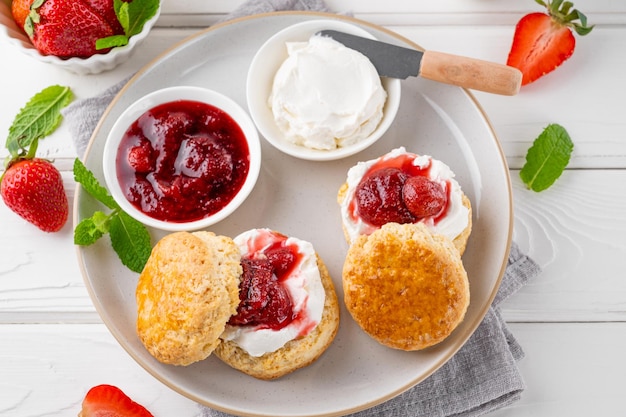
(105, 9)
(82, 28)
(67, 28)
(110, 401)
(543, 41)
(33, 188)
(20, 10)
(30, 186)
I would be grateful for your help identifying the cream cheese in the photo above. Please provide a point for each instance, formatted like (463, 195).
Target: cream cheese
(451, 225)
(305, 289)
(325, 95)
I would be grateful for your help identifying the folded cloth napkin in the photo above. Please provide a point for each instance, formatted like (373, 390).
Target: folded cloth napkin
(266, 6)
(481, 377)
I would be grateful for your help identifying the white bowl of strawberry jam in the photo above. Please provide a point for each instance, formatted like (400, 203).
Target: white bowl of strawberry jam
(182, 158)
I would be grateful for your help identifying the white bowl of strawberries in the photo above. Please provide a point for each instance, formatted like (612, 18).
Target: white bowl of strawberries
(100, 35)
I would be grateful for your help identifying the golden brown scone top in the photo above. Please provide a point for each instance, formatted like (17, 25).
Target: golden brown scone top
(186, 293)
(404, 286)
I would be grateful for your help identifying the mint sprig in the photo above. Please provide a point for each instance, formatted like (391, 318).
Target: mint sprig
(130, 239)
(38, 118)
(132, 15)
(547, 158)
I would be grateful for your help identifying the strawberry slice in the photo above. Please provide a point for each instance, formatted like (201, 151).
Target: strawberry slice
(108, 400)
(543, 41)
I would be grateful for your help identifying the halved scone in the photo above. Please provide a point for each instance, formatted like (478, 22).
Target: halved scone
(405, 286)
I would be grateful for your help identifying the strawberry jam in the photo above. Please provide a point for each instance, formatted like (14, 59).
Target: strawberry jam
(264, 299)
(396, 190)
(182, 161)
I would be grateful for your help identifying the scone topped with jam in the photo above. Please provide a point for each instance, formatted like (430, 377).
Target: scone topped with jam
(288, 312)
(262, 302)
(407, 223)
(403, 187)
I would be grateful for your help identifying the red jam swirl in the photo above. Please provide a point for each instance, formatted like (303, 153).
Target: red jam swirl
(396, 190)
(264, 300)
(182, 161)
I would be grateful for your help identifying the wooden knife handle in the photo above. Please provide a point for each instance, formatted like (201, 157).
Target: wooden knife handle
(471, 73)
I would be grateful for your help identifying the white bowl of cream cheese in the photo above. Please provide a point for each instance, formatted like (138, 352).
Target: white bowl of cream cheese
(315, 99)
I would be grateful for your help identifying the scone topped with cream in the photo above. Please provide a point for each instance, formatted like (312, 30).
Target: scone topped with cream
(288, 312)
(403, 187)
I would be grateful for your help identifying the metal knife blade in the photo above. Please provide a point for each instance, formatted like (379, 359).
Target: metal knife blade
(400, 62)
(389, 60)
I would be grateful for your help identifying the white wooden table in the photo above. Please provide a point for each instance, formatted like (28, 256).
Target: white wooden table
(571, 320)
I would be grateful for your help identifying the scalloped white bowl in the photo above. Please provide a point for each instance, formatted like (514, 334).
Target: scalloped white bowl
(263, 68)
(95, 64)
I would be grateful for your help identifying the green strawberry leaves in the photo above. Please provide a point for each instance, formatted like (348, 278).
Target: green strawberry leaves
(37, 119)
(563, 13)
(130, 239)
(547, 158)
(32, 18)
(132, 16)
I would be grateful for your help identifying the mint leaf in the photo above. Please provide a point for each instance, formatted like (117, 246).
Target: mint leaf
(89, 182)
(111, 41)
(132, 17)
(547, 158)
(130, 240)
(37, 119)
(121, 11)
(139, 12)
(88, 231)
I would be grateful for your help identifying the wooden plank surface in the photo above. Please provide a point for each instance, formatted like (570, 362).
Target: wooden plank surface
(570, 320)
(573, 370)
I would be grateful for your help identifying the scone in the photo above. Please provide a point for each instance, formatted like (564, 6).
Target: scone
(186, 294)
(403, 187)
(405, 286)
(268, 349)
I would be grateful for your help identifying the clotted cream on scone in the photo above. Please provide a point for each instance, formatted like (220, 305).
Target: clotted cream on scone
(288, 312)
(403, 187)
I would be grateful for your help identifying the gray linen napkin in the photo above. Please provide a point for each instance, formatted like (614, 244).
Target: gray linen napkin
(482, 377)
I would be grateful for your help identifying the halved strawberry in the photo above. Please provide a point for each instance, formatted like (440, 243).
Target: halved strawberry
(33, 188)
(110, 401)
(543, 41)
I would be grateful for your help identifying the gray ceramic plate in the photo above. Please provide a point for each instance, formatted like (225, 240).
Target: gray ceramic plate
(298, 198)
